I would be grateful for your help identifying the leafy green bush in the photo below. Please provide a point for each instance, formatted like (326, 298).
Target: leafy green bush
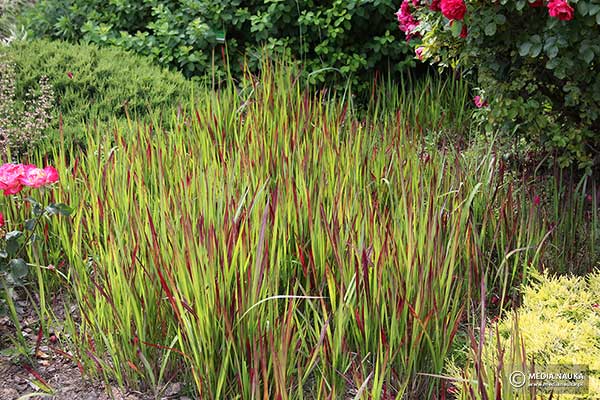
(92, 84)
(536, 64)
(351, 37)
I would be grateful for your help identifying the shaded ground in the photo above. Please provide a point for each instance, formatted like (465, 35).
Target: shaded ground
(61, 375)
(63, 379)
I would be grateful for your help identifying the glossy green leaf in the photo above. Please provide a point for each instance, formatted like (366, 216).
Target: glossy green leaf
(18, 268)
(490, 29)
(61, 209)
(524, 49)
(30, 224)
(456, 28)
(552, 52)
(587, 53)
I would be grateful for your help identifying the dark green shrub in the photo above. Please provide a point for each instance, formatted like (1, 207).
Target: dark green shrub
(94, 84)
(350, 37)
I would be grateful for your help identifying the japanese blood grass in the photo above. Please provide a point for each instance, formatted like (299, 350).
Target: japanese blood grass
(491, 359)
(270, 245)
(574, 206)
(436, 109)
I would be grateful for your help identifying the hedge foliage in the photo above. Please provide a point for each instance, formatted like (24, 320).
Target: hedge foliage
(349, 38)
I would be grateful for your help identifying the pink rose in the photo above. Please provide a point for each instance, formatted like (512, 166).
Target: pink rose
(453, 9)
(560, 9)
(1, 220)
(10, 175)
(36, 177)
(435, 5)
(14, 176)
(419, 53)
(51, 175)
(479, 102)
(406, 21)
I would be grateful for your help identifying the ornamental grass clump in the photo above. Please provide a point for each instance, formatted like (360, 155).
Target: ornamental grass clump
(574, 216)
(269, 244)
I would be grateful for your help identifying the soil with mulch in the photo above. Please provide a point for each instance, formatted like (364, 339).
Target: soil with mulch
(61, 376)
(50, 373)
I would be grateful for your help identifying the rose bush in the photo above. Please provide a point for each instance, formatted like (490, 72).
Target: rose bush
(535, 63)
(13, 179)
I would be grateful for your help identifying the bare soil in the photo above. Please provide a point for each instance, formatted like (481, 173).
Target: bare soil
(50, 373)
(62, 377)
